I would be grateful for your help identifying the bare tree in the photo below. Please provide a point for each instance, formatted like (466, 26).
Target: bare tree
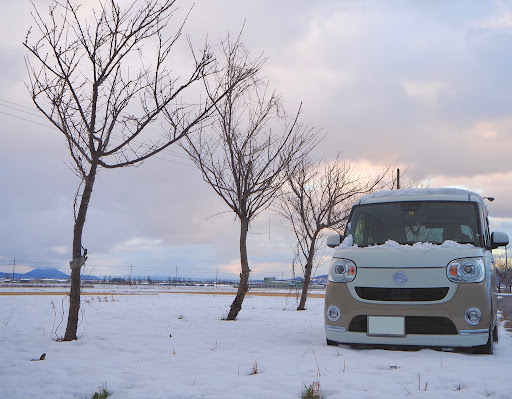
(102, 81)
(319, 196)
(503, 271)
(242, 158)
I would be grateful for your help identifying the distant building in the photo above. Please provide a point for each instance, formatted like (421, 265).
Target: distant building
(271, 282)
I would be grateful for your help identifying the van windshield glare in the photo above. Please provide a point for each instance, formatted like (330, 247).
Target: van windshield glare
(413, 222)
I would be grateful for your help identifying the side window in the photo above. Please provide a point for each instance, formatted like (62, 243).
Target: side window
(361, 230)
(485, 227)
(365, 231)
(487, 234)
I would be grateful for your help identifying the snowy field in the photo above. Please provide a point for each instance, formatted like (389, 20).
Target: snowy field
(175, 345)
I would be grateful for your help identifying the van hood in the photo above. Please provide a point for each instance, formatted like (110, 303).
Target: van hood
(407, 256)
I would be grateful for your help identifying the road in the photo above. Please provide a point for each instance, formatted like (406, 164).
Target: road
(505, 305)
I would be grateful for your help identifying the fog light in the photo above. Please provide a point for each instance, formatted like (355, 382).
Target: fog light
(473, 316)
(333, 313)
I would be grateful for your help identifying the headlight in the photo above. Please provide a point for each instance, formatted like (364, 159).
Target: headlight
(342, 271)
(466, 270)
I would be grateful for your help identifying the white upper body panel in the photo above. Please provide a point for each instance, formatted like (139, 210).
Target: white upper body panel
(421, 194)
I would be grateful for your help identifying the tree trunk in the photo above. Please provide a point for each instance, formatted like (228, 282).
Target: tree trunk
(243, 287)
(307, 275)
(74, 293)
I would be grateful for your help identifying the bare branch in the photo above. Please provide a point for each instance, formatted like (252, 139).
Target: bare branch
(319, 195)
(103, 79)
(246, 153)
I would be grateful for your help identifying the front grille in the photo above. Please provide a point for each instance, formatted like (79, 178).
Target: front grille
(401, 294)
(413, 325)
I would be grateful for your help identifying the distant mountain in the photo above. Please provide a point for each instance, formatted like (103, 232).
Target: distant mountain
(86, 277)
(9, 276)
(46, 273)
(320, 279)
(315, 280)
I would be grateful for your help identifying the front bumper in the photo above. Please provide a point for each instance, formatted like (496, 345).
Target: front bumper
(460, 335)
(463, 339)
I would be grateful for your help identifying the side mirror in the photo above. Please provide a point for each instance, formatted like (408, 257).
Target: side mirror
(499, 239)
(333, 240)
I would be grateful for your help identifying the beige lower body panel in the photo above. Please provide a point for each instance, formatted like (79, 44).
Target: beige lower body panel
(466, 296)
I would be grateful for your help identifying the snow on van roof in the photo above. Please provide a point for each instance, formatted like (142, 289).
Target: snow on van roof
(420, 194)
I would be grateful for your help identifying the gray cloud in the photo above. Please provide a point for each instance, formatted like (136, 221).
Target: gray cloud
(424, 82)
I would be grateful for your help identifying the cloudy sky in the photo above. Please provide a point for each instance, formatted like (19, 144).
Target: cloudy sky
(425, 82)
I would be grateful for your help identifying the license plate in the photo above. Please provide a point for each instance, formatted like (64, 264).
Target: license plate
(386, 326)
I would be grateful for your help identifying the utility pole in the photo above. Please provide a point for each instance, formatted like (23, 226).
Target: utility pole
(131, 268)
(216, 277)
(176, 276)
(507, 279)
(13, 269)
(398, 179)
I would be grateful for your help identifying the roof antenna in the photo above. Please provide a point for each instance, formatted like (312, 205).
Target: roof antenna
(489, 198)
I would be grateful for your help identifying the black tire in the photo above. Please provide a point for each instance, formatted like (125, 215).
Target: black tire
(495, 333)
(331, 343)
(487, 349)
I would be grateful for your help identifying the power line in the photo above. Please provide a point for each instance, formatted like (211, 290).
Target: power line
(27, 120)
(166, 151)
(20, 110)
(19, 105)
(163, 269)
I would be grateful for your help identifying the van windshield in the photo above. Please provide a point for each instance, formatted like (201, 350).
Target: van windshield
(412, 222)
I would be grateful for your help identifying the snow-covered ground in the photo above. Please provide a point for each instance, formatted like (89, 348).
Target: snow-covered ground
(175, 345)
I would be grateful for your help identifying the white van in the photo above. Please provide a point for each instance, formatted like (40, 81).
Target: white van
(415, 268)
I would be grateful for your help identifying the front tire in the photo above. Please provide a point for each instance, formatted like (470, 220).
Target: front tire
(487, 348)
(495, 333)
